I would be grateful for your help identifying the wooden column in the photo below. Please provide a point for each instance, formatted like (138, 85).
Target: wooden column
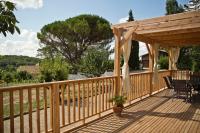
(170, 58)
(117, 34)
(151, 64)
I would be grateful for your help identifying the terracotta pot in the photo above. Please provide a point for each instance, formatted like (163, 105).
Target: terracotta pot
(117, 110)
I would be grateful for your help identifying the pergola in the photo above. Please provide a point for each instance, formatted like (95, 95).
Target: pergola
(171, 32)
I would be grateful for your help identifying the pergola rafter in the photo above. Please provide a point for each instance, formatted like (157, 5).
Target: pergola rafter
(171, 31)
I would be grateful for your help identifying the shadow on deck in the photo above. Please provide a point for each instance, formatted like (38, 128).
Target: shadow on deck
(158, 113)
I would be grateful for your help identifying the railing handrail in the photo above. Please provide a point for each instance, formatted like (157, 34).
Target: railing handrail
(46, 84)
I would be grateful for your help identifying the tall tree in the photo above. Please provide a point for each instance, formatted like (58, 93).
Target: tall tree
(134, 55)
(8, 20)
(172, 7)
(192, 5)
(73, 36)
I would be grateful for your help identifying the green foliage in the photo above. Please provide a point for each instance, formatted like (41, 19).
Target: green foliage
(23, 75)
(172, 7)
(7, 77)
(185, 59)
(163, 62)
(134, 62)
(96, 62)
(54, 69)
(72, 37)
(195, 55)
(118, 100)
(8, 20)
(16, 61)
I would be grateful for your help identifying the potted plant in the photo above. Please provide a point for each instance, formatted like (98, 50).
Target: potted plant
(118, 104)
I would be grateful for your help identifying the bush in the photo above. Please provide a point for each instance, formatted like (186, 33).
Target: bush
(23, 75)
(7, 77)
(54, 69)
(163, 62)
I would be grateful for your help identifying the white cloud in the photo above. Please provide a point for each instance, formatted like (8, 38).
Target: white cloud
(123, 20)
(28, 3)
(24, 44)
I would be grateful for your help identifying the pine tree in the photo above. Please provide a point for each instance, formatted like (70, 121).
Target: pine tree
(134, 55)
(172, 7)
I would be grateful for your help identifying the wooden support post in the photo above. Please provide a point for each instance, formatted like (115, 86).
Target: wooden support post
(151, 63)
(117, 34)
(170, 58)
(56, 108)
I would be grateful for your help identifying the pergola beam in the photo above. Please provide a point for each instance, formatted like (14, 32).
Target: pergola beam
(163, 19)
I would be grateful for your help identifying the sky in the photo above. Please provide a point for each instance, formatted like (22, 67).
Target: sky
(34, 14)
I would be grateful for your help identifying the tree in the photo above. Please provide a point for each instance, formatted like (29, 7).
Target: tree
(54, 69)
(8, 20)
(133, 62)
(172, 7)
(73, 36)
(195, 55)
(192, 5)
(96, 62)
(185, 60)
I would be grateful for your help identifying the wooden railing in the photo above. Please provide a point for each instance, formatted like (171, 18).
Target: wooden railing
(54, 106)
(38, 107)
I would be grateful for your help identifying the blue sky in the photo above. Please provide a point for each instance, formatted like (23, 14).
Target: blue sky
(34, 14)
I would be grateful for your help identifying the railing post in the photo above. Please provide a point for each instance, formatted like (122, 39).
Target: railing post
(56, 108)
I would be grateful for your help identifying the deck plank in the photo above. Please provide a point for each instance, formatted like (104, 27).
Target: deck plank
(158, 113)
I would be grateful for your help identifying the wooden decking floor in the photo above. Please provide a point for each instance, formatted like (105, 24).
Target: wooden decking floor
(158, 113)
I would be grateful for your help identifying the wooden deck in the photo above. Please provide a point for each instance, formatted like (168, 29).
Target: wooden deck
(158, 113)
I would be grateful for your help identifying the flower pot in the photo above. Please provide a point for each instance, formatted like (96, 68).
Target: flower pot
(117, 110)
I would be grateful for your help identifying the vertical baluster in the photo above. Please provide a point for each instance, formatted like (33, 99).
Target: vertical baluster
(88, 96)
(11, 112)
(51, 107)
(74, 103)
(45, 110)
(21, 111)
(106, 93)
(30, 110)
(96, 97)
(109, 91)
(38, 109)
(63, 104)
(99, 89)
(103, 89)
(83, 100)
(68, 103)
(1, 112)
(92, 95)
(79, 101)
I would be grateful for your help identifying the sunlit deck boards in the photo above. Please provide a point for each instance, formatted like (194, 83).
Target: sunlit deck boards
(158, 113)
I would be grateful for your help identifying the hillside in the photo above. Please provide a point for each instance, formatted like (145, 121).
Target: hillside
(16, 61)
